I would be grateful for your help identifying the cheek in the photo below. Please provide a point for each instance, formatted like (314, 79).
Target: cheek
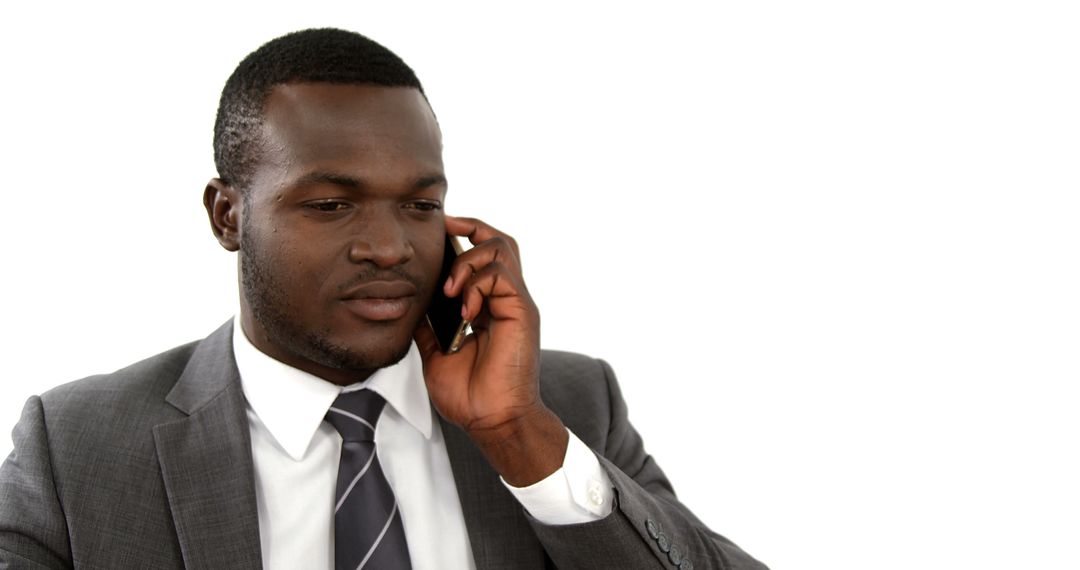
(431, 256)
(314, 266)
(304, 267)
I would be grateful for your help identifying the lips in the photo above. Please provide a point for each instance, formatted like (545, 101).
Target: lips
(381, 300)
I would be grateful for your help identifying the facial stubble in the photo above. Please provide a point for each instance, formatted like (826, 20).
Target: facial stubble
(262, 288)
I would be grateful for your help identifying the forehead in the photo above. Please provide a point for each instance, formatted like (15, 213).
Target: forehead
(316, 122)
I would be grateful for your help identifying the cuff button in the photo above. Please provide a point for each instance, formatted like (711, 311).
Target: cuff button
(675, 555)
(663, 542)
(653, 530)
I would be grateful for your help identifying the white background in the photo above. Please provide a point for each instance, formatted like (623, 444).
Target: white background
(830, 247)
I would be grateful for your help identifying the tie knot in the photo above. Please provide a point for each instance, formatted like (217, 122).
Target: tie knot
(353, 414)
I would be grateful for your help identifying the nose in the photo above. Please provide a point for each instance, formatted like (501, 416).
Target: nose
(382, 240)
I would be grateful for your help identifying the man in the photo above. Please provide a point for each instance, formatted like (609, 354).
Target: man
(325, 426)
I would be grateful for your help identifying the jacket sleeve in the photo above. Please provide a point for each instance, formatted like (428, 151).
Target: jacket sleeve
(33, 531)
(648, 526)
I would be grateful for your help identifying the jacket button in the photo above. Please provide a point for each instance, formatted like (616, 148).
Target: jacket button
(675, 555)
(650, 526)
(686, 565)
(663, 542)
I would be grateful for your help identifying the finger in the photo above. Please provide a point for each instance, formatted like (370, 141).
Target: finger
(495, 250)
(477, 231)
(505, 294)
(481, 322)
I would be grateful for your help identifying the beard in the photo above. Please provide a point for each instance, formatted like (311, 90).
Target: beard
(263, 289)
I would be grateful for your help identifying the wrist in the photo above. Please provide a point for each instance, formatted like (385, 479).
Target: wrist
(526, 449)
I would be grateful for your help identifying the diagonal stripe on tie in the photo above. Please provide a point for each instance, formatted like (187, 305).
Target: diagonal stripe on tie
(368, 529)
(378, 540)
(362, 421)
(352, 484)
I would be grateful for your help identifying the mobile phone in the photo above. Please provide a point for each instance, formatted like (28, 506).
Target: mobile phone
(444, 313)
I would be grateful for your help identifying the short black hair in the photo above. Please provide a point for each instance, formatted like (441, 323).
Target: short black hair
(325, 55)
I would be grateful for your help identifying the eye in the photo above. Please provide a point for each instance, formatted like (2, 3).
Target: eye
(327, 205)
(424, 205)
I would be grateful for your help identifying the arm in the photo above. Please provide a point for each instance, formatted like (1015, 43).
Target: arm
(625, 538)
(33, 532)
(491, 390)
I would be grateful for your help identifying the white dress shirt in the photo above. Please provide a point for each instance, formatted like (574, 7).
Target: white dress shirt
(296, 458)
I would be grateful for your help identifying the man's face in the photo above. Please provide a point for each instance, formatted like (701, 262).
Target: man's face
(342, 229)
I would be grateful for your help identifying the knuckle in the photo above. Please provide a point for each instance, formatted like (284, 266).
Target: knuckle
(496, 243)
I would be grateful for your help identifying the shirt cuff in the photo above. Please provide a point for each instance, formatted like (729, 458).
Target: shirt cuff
(577, 492)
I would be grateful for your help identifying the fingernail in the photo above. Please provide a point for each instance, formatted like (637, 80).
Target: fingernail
(449, 283)
(464, 312)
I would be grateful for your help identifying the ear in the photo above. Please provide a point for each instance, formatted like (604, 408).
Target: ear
(224, 206)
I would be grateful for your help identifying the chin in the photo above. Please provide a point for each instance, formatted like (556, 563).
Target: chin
(375, 350)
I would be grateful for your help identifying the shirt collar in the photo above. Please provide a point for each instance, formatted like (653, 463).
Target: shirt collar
(292, 403)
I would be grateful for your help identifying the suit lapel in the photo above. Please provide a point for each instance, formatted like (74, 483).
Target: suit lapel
(206, 461)
(499, 534)
(209, 475)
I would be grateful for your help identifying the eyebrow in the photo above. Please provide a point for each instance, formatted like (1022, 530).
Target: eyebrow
(428, 181)
(354, 183)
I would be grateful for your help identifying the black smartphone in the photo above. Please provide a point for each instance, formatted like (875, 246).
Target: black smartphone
(444, 313)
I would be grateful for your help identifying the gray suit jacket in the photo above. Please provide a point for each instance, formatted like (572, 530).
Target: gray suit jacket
(151, 467)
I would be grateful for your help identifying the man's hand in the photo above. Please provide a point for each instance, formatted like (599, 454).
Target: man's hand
(490, 388)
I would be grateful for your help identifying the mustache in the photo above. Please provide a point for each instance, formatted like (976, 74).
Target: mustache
(392, 274)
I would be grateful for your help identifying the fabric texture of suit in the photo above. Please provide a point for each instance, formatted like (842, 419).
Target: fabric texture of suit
(151, 467)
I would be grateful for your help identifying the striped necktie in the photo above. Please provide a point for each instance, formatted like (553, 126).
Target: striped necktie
(368, 532)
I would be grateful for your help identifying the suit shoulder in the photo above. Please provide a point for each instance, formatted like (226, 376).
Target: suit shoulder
(558, 366)
(580, 389)
(144, 381)
(573, 373)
